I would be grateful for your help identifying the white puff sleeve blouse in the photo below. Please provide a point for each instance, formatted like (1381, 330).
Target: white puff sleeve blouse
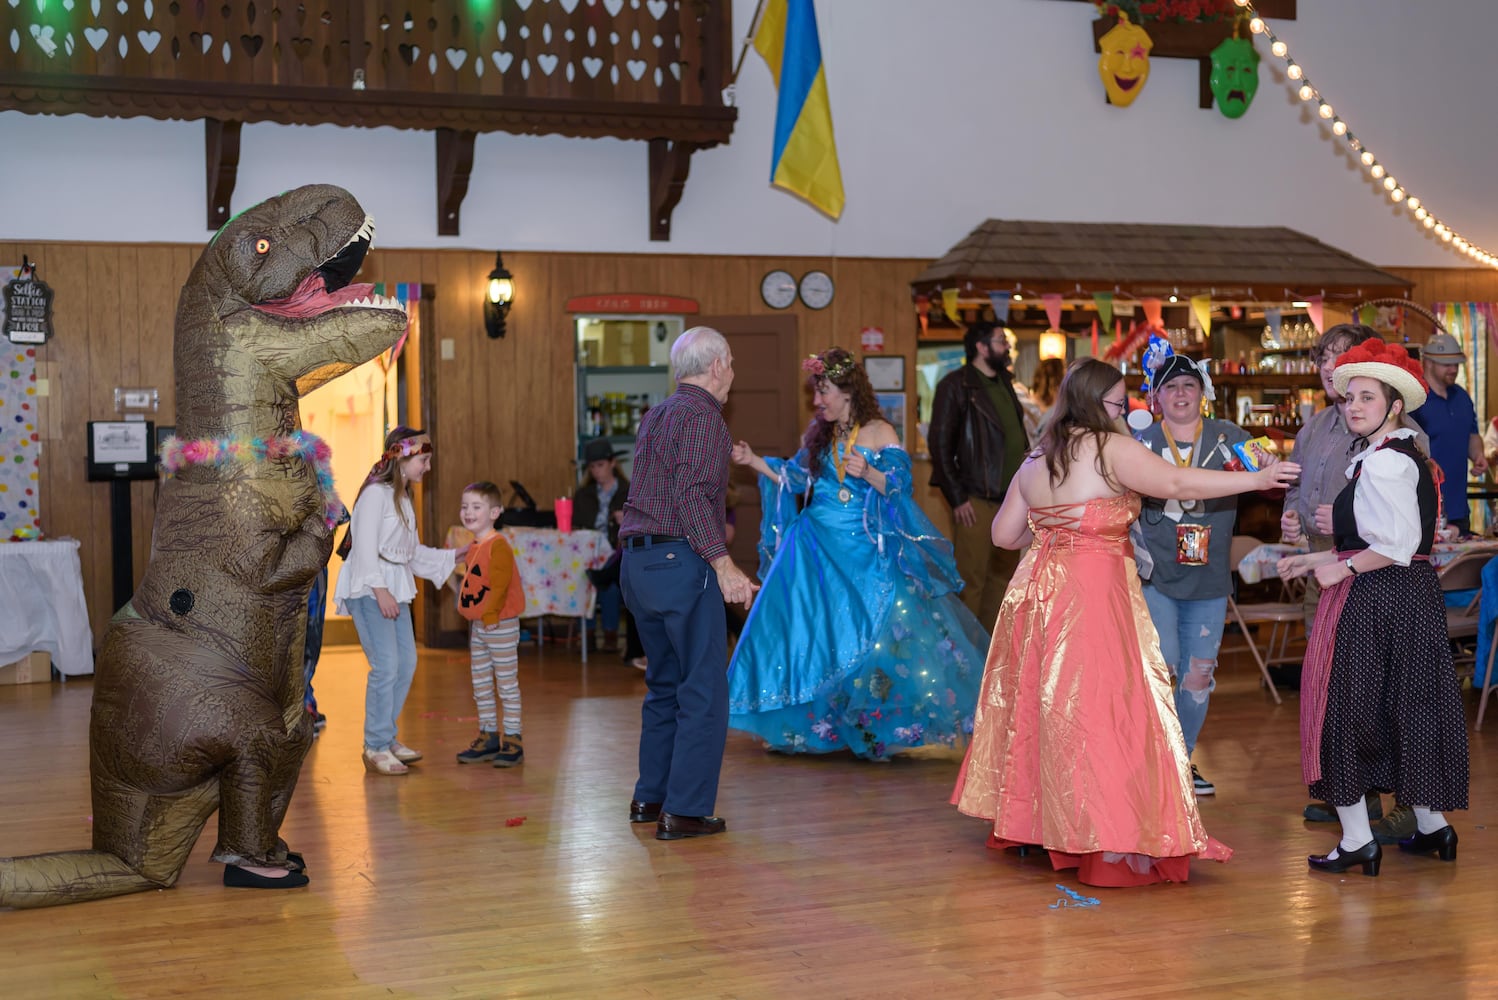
(1385, 502)
(386, 552)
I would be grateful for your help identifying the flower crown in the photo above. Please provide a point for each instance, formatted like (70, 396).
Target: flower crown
(821, 369)
(421, 444)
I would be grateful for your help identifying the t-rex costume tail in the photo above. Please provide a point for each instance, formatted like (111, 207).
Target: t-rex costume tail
(198, 690)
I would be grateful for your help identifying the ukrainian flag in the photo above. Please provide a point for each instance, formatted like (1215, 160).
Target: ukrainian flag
(805, 158)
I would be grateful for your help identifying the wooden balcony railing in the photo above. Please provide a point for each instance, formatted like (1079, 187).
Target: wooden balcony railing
(633, 69)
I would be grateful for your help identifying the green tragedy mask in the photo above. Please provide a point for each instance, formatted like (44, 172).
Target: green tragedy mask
(1235, 76)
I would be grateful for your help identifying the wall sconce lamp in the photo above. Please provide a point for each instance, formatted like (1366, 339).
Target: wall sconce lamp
(1053, 345)
(501, 292)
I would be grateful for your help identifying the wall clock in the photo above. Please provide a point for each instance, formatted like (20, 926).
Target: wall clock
(816, 289)
(778, 289)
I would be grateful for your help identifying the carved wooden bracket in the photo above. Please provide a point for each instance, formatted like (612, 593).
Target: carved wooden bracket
(669, 164)
(454, 164)
(221, 158)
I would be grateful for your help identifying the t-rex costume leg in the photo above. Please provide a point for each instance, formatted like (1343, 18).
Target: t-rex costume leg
(198, 689)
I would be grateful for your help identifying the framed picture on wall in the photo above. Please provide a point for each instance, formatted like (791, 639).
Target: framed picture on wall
(886, 372)
(892, 408)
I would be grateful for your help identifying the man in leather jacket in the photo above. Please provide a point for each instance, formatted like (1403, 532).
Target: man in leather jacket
(977, 442)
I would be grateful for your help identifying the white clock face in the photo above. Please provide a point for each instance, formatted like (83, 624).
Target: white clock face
(778, 289)
(816, 289)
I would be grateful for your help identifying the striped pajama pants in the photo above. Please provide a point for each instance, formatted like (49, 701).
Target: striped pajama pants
(494, 667)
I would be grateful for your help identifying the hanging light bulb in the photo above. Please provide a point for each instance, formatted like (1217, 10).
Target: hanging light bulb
(1354, 142)
(1396, 195)
(1414, 202)
(1307, 91)
(1377, 170)
(1279, 48)
(1367, 158)
(1242, 3)
(1430, 220)
(1420, 213)
(1339, 127)
(1460, 244)
(1390, 183)
(1325, 110)
(1446, 236)
(1256, 25)
(1293, 71)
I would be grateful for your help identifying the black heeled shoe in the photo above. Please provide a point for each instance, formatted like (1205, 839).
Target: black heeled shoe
(1442, 842)
(1369, 856)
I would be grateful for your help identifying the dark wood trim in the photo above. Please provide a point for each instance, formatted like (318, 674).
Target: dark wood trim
(221, 158)
(670, 162)
(113, 97)
(454, 164)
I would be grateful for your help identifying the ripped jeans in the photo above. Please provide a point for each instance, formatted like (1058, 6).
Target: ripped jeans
(1190, 634)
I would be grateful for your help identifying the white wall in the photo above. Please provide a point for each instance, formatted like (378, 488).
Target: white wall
(947, 112)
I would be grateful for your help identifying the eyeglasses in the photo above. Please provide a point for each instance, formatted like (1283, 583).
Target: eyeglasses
(1122, 404)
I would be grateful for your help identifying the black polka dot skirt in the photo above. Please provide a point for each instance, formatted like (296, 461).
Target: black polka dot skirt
(1394, 720)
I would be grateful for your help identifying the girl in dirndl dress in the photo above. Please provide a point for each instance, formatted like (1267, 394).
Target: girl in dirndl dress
(1381, 707)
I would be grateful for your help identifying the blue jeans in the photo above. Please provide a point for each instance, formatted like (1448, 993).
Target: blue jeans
(1190, 635)
(390, 646)
(608, 607)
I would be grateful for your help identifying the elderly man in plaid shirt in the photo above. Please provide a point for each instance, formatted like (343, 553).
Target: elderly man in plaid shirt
(677, 575)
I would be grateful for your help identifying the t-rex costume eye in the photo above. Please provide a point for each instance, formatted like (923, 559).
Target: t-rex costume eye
(262, 246)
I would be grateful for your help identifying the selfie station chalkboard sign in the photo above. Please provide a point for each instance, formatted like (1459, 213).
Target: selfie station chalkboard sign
(28, 307)
(20, 442)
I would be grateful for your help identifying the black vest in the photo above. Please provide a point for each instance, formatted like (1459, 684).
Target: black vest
(1344, 523)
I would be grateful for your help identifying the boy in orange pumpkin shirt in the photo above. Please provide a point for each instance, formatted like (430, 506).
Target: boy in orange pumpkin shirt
(491, 598)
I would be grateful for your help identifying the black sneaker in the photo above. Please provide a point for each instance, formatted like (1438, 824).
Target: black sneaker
(485, 747)
(511, 752)
(1201, 785)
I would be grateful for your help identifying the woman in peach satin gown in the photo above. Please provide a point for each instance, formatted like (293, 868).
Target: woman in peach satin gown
(1076, 745)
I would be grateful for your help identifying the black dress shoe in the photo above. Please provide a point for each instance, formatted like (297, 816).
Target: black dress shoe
(644, 812)
(1443, 842)
(673, 827)
(239, 878)
(1369, 856)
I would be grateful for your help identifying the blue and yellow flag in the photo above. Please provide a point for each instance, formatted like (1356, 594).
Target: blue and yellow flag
(805, 158)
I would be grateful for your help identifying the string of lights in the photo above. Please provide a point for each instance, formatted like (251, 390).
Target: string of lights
(1376, 169)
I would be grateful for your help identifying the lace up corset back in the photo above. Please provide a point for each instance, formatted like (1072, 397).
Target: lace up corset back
(1102, 522)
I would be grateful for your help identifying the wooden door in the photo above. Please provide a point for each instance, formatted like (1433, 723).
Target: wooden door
(762, 409)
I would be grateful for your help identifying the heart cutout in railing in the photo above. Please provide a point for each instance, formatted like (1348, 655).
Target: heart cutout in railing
(636, 68)
(657, 8)
(96, 37)
(546, 62)
(149, 40)
(502, 60)
(457, 57)
(408, 53)
(302, 47)
(251, 44)
(592, 65)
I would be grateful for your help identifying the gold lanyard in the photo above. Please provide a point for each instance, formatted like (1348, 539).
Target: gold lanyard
(1195, 436)
(842, 455)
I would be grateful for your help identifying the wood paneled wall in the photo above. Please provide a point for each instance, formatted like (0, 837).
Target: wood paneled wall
(501, 409)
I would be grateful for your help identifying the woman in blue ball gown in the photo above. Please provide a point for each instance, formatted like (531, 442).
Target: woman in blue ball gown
(857, 639)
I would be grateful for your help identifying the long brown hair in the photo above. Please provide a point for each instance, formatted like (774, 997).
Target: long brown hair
(1079, 407)
(388, 470)
(840, 369)
(1048, 376)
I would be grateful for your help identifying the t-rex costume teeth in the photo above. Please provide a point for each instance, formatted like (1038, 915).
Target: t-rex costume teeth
(198, 688)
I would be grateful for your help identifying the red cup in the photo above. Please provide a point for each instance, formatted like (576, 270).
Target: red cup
(564, 514)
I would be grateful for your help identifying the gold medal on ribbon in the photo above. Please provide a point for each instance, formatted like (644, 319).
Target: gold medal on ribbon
(844, 494)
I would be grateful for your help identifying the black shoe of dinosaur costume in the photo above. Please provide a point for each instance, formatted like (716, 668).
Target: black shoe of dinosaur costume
(239, 878)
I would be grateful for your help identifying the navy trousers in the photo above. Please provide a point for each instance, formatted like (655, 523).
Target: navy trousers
(678, 609)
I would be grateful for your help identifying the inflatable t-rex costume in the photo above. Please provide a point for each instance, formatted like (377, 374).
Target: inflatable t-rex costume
(198, 690)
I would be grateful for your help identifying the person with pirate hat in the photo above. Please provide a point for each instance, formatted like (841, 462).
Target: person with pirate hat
(1381, 707)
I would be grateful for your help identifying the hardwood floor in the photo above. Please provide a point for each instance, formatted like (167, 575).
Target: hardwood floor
(836, 878)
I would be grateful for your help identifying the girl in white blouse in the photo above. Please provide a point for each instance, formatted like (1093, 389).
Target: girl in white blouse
(1381, 708)
(383, 557)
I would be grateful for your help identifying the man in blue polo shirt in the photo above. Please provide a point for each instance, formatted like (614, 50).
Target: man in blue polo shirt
(1450, 420)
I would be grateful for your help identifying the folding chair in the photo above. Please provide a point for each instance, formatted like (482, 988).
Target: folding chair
(1280, 616)
(1488, 687)
(1464, 573)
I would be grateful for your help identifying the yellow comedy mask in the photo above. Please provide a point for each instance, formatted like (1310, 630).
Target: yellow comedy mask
(1125, 62)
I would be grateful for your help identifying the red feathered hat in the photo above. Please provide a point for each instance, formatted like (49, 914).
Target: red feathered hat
(1389, 363)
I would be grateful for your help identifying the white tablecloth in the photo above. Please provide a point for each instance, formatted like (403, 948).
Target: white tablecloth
(42, 606)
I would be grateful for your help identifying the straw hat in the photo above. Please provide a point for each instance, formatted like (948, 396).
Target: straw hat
(1390, 364)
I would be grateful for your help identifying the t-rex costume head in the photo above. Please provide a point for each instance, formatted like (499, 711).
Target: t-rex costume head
(198, 689)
